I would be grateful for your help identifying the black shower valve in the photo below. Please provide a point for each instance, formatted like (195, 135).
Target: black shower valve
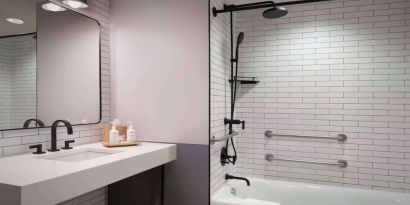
(225, 157)
(234, 158)
(234, 122)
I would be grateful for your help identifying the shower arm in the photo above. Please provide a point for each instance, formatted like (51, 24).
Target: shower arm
(259, 5)
(263, 3)
(242, 7)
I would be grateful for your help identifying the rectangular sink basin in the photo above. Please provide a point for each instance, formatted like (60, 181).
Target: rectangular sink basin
(79, 155)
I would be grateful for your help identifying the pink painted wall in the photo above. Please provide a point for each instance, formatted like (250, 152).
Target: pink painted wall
(160, 68)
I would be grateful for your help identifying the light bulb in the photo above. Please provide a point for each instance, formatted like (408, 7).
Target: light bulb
(52, 7)
(15, 20)
(75, 4)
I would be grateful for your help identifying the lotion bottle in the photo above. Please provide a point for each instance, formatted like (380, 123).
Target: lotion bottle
(114, 138)
(131, 133)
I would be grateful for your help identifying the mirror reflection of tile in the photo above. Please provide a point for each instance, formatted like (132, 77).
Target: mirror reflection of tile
(17, 80)
(44, 75)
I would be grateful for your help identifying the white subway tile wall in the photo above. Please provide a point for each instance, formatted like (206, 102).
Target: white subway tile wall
(23, 81)
(16, 142)
(18, 86)
(327, 68)
(220, 91)
(5, 82)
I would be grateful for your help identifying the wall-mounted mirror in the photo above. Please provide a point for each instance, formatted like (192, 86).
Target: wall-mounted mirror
(49, 65)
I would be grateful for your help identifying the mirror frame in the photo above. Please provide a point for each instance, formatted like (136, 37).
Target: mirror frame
(99, 64)
(18, 35)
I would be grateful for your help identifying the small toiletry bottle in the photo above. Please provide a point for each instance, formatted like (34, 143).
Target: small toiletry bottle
(131, 133)
(114, 135)
(116, 122)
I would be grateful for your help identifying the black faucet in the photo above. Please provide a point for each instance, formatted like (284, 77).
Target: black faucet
(54, 133)
(227, 176)
(39, 123)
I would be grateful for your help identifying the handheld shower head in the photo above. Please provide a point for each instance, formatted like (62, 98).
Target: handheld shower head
(241, 36)
(275, 12)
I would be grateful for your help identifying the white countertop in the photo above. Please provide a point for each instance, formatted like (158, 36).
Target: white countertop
(31, 179)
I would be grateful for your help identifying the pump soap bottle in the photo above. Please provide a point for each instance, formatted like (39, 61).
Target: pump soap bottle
(131, 133)
(114, 138)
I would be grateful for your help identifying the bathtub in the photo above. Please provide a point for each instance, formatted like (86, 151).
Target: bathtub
(273, 192)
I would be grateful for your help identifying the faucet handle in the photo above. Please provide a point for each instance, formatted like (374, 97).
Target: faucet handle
(39, 148)
(67, 144)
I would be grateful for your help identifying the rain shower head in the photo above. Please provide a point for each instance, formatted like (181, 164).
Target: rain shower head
(275, 12)
(241, 36)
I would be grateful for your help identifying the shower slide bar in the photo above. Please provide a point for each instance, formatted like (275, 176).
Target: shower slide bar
(339, 137)
(214, 139)
(339, 163)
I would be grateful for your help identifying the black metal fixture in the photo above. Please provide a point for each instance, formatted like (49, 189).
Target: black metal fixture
(39, 148)
(227, 177)
(234, 79)
(54, 133)
(275, 10)
(39, 123)
(234, 122)
(246, 80)
(225, 157)
(67, 144)
(76, 4)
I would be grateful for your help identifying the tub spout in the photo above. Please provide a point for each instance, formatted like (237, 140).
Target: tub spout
(227, 176)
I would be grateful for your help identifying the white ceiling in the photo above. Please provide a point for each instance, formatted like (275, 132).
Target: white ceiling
(21, 9)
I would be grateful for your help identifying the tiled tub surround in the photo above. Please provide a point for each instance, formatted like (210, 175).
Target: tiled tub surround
(16, 142)
(325, 69)
(220, 91)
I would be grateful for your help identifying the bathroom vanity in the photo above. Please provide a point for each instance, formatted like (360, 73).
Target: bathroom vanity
(60, 58)
(55, 177)
(54, 55)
